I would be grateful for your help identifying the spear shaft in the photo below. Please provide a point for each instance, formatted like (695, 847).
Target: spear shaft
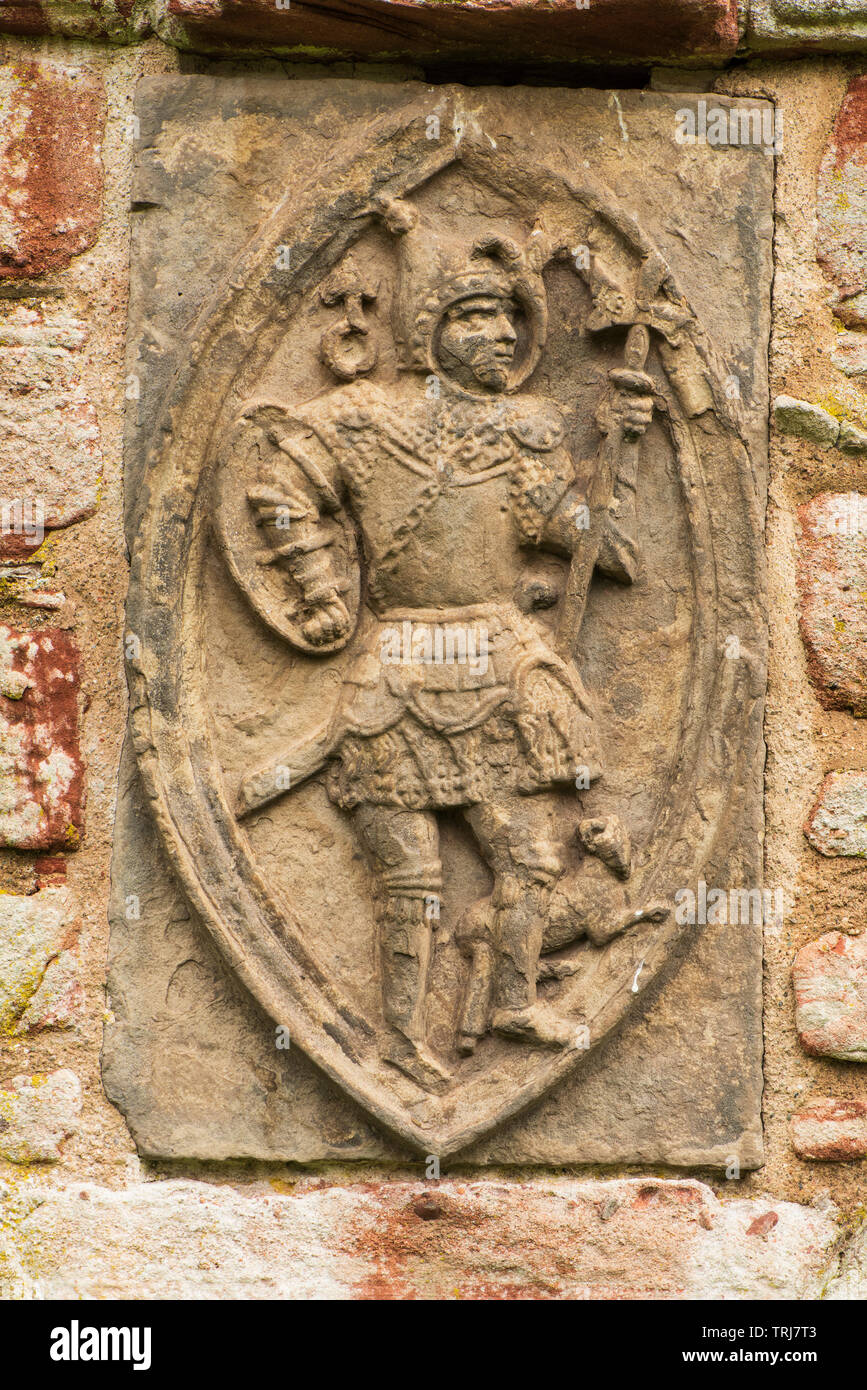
(619, 458)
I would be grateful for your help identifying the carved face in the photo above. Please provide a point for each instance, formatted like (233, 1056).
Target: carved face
(478, 340)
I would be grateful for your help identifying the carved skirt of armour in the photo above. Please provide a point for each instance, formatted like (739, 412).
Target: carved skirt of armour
(454, 707)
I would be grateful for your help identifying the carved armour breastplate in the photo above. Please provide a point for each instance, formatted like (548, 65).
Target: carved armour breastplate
(401, 467)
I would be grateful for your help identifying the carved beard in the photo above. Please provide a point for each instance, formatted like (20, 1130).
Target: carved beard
(480, 365)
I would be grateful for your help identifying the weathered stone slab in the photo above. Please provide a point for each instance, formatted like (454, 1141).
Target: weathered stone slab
(50, 150)
(42, 794)
(800, 26)
(832, 576)
(529, 31)
(310, 947)
(632, 1239)
(830, 979)
(805, 420)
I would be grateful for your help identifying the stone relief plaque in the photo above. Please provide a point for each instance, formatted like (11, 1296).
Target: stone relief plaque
(445, 637)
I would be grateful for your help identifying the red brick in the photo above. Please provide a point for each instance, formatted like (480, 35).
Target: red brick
(832, 580)
(834, 1131)
(41, 770)
(842, 208)
(51, 179)
(508, 30)
(830, 979)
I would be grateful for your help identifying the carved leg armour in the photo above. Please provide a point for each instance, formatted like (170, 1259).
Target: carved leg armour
(518, 927)
(405, 945)
(525, 865)
(402, 848)
(475, 937)
(518, 933)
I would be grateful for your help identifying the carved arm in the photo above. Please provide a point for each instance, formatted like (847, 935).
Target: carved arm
(297, 541)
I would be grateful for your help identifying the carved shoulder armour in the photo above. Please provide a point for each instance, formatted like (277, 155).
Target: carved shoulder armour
(538, 425)
(543, 469)
(350, 423)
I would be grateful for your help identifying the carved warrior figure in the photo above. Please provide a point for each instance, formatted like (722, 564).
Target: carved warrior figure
(449, 476)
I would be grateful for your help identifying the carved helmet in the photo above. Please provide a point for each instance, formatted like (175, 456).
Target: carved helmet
(438, 268)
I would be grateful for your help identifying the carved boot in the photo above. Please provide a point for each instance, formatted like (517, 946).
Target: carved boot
(405, 948)
(518, 929)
